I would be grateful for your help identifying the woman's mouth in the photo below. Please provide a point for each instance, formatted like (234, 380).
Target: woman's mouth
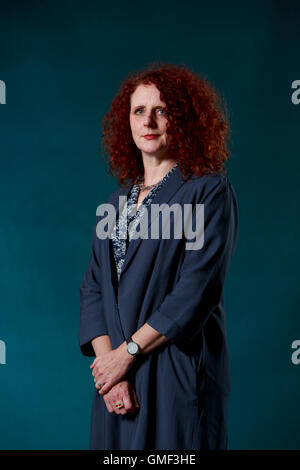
(150, 136)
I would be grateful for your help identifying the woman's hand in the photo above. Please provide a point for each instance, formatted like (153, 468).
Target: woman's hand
(122, 391)
(110, 367)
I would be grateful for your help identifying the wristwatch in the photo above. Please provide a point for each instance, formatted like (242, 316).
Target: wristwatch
(132, 347)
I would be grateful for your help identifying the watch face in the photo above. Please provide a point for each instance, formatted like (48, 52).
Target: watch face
(132, 348)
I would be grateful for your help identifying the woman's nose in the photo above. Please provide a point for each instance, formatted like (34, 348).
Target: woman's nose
(149, 119)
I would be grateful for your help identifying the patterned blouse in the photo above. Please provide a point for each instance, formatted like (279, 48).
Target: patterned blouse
(131, 220)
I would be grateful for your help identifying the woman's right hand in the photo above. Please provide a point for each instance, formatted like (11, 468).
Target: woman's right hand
(122, 391)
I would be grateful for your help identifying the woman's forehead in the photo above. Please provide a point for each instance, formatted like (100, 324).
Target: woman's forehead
(145, 93)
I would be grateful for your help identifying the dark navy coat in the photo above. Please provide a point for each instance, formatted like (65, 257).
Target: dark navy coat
(183, 385)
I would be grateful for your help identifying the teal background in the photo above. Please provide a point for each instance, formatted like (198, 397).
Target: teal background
(62, 63)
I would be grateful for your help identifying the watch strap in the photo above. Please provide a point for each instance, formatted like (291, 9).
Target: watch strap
(128, 340)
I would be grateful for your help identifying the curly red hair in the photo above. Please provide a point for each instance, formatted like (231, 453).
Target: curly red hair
(197, 124)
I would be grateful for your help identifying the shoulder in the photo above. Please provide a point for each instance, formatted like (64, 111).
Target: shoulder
(210, 183)
(212, 188)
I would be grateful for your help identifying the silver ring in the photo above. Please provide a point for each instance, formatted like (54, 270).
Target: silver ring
(99, 383)
(119, 405)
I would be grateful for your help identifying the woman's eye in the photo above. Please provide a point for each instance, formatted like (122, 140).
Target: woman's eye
(137, 111)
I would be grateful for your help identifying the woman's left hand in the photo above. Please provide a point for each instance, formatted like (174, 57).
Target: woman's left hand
(110, 367)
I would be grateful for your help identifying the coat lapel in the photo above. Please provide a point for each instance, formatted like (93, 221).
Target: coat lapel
(108, 247)
(166, 192)
(169, 188)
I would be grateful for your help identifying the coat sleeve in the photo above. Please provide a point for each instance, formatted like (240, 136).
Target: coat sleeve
(92, 319)
(198, 290)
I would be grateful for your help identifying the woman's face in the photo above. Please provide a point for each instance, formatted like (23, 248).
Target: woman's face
(148, 117)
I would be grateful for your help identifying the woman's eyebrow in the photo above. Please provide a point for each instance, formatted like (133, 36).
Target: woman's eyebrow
(142, 106)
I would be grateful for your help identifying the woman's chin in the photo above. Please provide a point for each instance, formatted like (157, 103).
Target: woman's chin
(158, 150)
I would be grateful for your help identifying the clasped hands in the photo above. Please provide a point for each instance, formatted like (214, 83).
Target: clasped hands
(109, 368)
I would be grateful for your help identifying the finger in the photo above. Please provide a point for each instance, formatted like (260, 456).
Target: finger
(108, 400)
(128, 399)
(108, 406)
(106, 387)
(133, 395)
(135, 399)
(127, 402)
(118, 411)
(118, 397)
(95, 371)
(95, 362)
(96, 379)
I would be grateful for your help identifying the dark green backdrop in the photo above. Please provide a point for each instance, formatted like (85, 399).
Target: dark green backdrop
(62, 63)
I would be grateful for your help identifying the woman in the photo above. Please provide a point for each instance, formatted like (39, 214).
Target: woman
(152, 311)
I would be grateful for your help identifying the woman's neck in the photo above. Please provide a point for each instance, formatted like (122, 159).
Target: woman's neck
(155, 173)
